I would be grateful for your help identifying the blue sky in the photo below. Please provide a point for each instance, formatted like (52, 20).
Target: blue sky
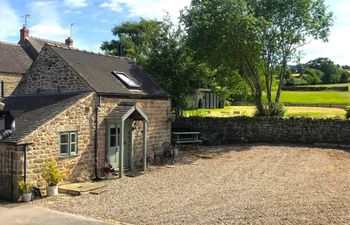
(94, 20)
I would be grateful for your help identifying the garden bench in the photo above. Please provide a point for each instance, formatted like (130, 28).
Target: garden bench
(187, 138)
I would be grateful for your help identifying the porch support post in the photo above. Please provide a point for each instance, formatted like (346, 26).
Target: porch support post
(132, 147)
(121, 153)
(145, 126)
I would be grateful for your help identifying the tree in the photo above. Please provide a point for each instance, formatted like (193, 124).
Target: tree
(332, 73)
(255, 37)
(158, 47)
(171, 65)
(134, 39)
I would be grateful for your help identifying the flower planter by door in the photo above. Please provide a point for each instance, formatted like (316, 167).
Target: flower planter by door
(27, 197)
(51, 190)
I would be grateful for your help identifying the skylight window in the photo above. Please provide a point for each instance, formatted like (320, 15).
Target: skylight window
(126, 80)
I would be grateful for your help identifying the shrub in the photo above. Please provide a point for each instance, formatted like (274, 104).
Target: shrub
(345, 76)
(347, 109)
(294, 81)
(24, 188)
(51, 174)
(311, 78)
(272, 110)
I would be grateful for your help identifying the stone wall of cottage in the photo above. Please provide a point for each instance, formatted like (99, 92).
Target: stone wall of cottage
(11, 170)
(80, 118)
(159, 127)
(11, 81)
(267, 130)
(50, 74)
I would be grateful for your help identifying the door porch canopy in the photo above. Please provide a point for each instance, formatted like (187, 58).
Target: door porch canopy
(120, 114)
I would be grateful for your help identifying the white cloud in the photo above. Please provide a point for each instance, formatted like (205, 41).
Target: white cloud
(113, 5)
(49, 31)
(9, 22)
(338, 47)
(75, 3)
(148, 8)
(47, 22)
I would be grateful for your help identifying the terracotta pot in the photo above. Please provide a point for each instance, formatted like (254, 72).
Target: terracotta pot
(27, 197)
(52, 190)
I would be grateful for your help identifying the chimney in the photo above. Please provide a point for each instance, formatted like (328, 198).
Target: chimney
(24, 34)
(69, 42)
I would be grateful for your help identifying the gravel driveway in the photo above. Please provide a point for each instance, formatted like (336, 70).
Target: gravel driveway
(250, 184)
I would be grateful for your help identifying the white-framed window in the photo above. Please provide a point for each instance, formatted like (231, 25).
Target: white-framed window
(68, 143)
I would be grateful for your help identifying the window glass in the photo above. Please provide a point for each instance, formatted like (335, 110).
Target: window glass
(126, 80)
(113, 131)
(72, 148)
(112, 141)
(64, 149)
(73, 137)
(64, 138)
(68, 143)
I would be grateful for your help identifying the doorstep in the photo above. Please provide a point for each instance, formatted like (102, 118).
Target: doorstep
(79, 188)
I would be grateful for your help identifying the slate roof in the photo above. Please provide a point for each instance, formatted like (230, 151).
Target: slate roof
(39, 43)
(31, 112)
(96, 70)
(13, 59)
(33, 45)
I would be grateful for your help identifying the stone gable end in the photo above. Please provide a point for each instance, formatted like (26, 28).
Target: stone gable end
(50, 74)
(45, 143)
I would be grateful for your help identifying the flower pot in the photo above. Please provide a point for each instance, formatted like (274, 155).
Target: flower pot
(27, 197)
(109, 176)
(52, 190)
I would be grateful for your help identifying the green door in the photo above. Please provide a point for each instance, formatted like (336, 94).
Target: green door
(113, 132)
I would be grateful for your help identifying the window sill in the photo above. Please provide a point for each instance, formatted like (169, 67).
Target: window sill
(68, 156)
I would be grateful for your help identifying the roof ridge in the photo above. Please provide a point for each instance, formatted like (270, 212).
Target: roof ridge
(9, 43)
(46, 40)
(90, 52)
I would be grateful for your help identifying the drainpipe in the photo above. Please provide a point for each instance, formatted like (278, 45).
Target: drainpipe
(96, 136)
(25, 163)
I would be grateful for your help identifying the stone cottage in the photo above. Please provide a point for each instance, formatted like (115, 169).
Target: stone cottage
(15, 59)
(85, 110)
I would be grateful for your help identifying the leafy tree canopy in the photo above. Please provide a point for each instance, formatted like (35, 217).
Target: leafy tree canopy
(257, 38)
(331, 71)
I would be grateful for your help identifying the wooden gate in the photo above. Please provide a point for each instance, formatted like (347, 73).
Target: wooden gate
(11, 171)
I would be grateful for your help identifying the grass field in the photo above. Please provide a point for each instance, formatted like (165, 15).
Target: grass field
(311, 112)
(315, 97)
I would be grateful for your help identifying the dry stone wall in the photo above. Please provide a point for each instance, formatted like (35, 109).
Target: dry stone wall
(269, 130)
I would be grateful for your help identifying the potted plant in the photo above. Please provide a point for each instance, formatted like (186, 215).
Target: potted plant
(108, 170)
(52, 177)
(25, 189)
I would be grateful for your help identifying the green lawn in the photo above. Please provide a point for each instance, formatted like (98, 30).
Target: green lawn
(311, 112)
(315, 97)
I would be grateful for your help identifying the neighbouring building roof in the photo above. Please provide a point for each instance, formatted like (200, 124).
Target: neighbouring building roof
(97, 71)
(33, 111)
(33, 45)
(13, 59)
